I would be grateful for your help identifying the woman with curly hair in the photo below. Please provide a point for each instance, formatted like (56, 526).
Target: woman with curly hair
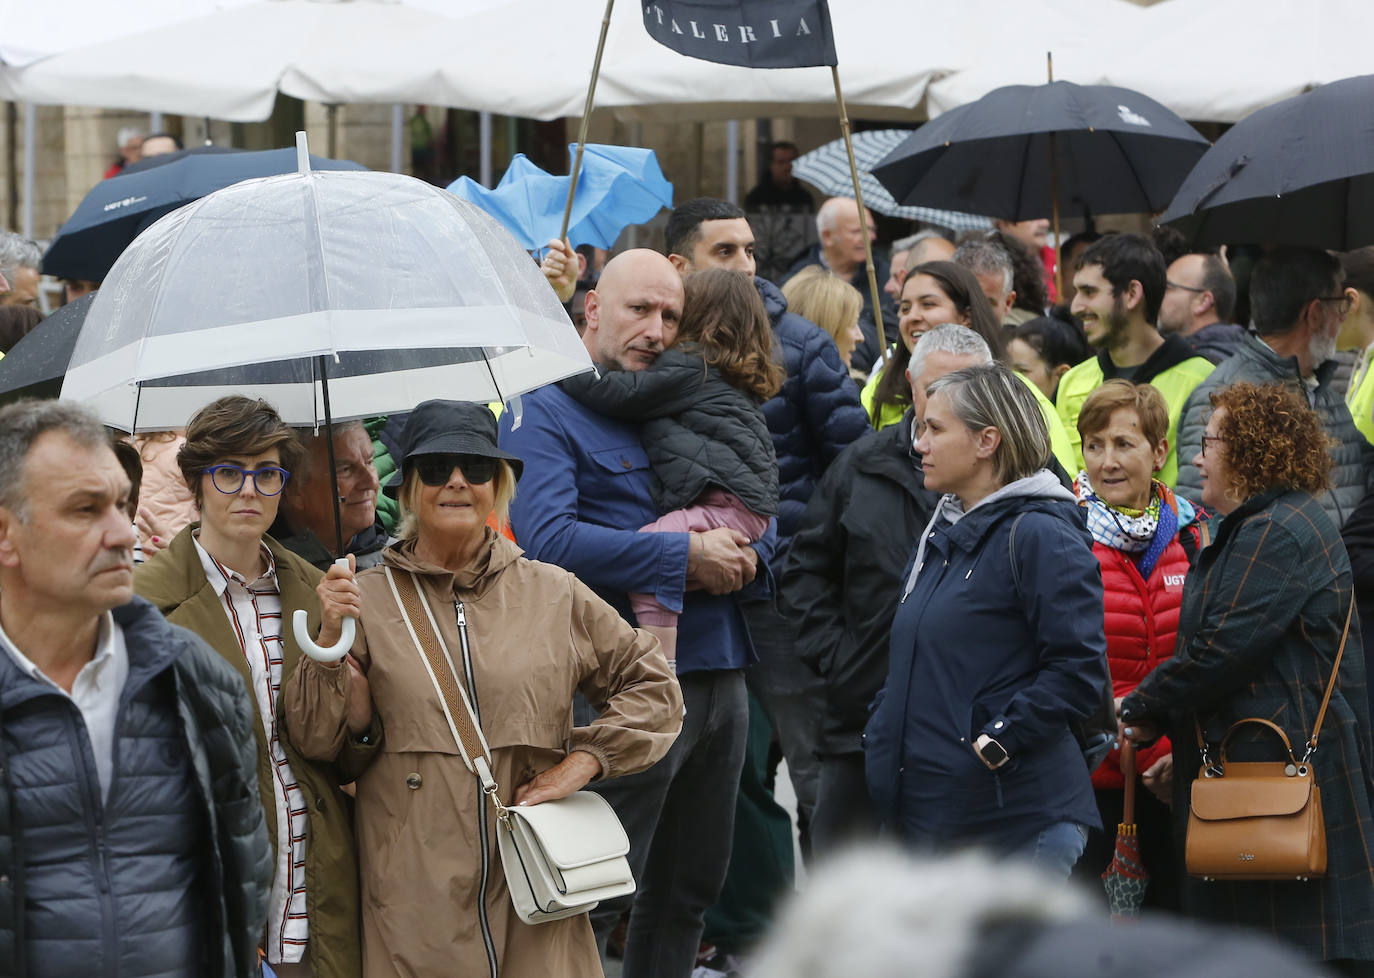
(710, 454)
(1262, 618)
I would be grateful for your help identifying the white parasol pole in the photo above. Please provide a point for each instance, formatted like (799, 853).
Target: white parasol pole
(863, 217)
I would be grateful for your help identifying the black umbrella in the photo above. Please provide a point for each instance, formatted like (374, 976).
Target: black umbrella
(117, 210)
(162, 159)
(38, 362)
(1299, 172)
(1114, 151)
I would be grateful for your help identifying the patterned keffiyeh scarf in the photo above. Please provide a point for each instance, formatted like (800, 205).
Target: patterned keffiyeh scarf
(1141, 533)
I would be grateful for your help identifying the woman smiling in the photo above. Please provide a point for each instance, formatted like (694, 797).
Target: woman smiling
(522, 637)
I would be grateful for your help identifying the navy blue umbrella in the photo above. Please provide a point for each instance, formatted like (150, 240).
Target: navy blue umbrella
(1021, 151)
(118, 209)
(1299, 172)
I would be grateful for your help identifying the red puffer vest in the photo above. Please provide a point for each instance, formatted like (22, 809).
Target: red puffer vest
(1141, 622)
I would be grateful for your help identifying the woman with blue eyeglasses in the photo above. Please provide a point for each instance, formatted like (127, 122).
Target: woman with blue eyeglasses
(229, 582)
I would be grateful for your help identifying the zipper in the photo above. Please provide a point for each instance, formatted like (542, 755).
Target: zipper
(95, 807)
(484, 843)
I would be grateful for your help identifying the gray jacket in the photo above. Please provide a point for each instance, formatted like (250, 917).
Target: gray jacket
(1256, 363)
(169, 876)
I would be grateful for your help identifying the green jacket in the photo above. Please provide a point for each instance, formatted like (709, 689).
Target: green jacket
(1059, 440)
(1174, 370)
(174, 581)
(1360, 397)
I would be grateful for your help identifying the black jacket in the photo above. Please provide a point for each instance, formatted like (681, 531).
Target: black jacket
(697, 429)
(366, 547)
(87, 888)
(814, 417)
(843, 574)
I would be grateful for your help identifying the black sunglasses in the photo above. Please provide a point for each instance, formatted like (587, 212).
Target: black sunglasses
(435, 470)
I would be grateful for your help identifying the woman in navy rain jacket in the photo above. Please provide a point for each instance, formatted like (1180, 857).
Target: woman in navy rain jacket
(997, 646)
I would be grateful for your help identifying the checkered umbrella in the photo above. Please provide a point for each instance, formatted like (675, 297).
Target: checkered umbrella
(827, 169)
(1126, 878)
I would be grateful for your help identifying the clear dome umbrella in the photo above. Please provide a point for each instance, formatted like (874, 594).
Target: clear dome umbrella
(390, 289)
(329, 294)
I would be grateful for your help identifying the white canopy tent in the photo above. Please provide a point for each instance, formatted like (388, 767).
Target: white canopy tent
(228, 58)
(1207, 60)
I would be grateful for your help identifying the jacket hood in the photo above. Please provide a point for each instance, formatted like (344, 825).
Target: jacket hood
(773, 299)
(1043, 488)
(496, 554)
(1174, 351)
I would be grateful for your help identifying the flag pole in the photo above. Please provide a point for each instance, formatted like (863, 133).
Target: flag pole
(586, 120)
(863, 217)
(1054, 195)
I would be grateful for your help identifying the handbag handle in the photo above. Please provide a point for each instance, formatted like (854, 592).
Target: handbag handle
(467, 732)
(1225, 741)
(1316, 728)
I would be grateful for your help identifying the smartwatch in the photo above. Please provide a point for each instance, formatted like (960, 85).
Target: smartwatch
(994, 755)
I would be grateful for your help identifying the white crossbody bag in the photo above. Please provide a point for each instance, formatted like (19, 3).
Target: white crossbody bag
(560, 857)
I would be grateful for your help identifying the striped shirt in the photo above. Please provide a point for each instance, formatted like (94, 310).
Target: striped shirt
(255, 614)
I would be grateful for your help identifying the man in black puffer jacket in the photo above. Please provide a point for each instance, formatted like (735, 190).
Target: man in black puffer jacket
(813, 418)
(132, 840)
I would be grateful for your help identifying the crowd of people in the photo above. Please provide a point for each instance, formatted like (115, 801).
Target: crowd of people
(973, 589)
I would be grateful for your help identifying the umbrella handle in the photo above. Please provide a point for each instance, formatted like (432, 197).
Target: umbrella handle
(336, 651)
(1127, 773)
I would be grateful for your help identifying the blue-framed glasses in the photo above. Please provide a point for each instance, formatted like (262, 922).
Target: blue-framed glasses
(267, 481)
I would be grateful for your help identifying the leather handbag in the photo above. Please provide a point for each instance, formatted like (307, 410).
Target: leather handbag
(1259, 820)
(560, 857)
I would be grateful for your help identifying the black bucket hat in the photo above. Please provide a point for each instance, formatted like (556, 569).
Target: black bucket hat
(448, 428)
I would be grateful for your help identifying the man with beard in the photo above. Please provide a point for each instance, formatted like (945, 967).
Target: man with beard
(1297, 303)
(1119, 285)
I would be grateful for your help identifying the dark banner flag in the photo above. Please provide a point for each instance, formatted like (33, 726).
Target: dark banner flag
(749, 33)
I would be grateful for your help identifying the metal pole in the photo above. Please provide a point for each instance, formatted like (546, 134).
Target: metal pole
(484, 148)
(154, 123)
(732, 161)
(331, 112)
(12, 163)
(1054, 195)
(397, 140)
(586, 120)
(30, 154)
(333, 469)
(863, 217)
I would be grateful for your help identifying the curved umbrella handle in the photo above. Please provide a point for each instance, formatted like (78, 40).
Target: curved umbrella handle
(336, 651)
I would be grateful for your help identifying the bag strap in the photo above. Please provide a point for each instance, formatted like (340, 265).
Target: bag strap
(1321, 713)
(1331, 684)
(462, 722)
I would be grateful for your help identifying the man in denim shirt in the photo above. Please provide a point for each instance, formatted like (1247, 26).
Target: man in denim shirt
(583, 497)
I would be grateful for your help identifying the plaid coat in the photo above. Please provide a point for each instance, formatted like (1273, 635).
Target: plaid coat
(1260, 624)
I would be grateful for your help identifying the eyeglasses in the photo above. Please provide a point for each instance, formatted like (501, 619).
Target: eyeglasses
(1207, 438)
(267, 481)
(1344, 300)
(1186, 288)
(435, 470)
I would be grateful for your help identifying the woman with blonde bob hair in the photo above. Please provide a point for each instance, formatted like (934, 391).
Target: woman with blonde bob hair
(1263, 616)
(997, 646)
(832, 304)
(522, 638)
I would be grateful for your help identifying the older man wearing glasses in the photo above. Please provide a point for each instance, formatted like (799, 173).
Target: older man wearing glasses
(229, 582)
(1298, 302)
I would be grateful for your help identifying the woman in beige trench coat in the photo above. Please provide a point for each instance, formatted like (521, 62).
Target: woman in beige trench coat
(434, 897)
